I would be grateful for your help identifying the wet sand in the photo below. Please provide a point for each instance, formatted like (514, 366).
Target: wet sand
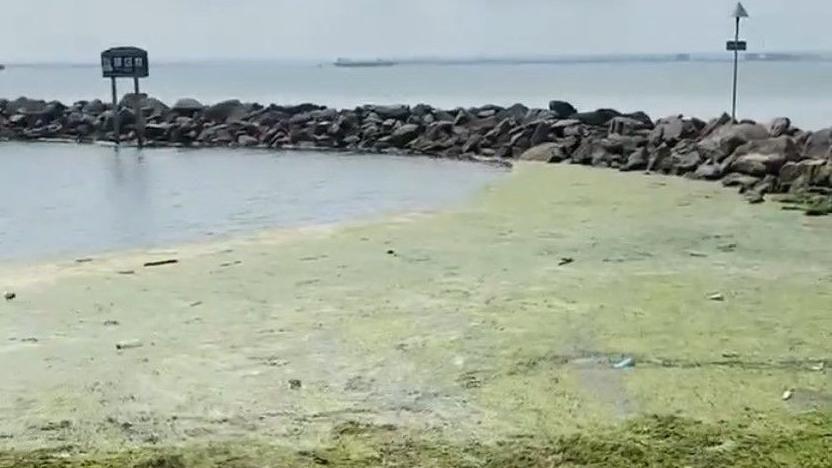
(496, 319)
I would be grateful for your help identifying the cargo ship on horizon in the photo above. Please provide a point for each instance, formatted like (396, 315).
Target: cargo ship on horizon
(343, 62)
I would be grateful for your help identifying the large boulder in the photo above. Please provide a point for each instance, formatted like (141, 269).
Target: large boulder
(94, 107)
(761, 157)
(807, 173)
(150, 106)
(818, 144)
(726, 139)
(517, 112)
(779, 127)
(26, 106)
(598, 118)
(188, 106)
(225, 111)
(671, 130)
(546, 152)
(637, 160)
(404, 135)
(562, 109)
(592, 151)
(399, 112)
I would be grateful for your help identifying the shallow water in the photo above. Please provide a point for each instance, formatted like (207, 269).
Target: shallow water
(74, 200)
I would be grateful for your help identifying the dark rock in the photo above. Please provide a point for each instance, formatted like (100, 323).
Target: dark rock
(404, 135)
(562, 109)
(225, 111)
(598, 118)
(540, 134)
(392, 112)
(671, 130)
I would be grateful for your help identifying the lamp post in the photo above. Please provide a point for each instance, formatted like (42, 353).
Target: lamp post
(736, 46)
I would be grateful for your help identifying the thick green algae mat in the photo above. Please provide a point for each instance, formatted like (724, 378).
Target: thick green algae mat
(481, 336)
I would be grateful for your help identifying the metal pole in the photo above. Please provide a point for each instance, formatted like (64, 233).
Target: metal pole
(139, 114)
(115, 112)
(736, 66)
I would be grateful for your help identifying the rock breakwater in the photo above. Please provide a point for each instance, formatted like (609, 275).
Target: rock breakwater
(758, 159)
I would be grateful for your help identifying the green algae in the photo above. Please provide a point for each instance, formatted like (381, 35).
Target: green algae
(644, 442)
(473, 339)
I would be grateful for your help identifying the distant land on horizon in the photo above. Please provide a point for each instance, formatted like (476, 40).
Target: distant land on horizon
(824, 56)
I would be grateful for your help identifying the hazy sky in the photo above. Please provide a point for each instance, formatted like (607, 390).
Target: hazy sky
(77, 30)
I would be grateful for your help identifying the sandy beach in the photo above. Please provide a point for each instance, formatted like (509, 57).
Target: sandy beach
(561, 300)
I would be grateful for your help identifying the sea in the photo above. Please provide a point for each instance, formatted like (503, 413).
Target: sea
(65, 200)
(799, 90)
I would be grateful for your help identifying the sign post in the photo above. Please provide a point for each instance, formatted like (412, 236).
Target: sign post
(736, 46)
(126, 62)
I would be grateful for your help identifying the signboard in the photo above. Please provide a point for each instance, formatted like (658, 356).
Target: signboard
(125, 62)
(733, 46)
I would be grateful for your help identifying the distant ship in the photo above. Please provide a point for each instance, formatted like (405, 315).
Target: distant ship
(342, 62)
(2, 67)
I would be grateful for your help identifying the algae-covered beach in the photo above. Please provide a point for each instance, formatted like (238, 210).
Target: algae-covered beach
(565, 316)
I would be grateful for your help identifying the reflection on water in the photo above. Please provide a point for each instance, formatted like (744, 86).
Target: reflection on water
(73, 200)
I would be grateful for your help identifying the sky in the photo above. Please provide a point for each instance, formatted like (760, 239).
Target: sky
(172, 30)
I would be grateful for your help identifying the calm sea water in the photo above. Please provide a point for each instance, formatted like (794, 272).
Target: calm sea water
(61, 199)
(802, 91)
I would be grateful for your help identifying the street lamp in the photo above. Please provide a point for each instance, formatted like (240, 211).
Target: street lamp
(736, 46)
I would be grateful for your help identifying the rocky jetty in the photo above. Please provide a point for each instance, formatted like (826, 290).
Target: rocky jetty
(776, 158)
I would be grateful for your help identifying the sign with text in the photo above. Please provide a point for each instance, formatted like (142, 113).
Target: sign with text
(125, 62)
(733, 46)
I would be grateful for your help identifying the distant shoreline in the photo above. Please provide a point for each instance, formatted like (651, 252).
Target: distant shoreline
(695, 57)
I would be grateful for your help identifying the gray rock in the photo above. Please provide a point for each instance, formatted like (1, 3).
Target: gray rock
(591, 151)
(818, 144)
(546, 152)
(94, 107)
(728, 138)
(247, 140)
(761, 157)
(708, 171)
(516, 111)
(188, 106)
(806, 173)
(779, 127)
(637, 160)
(744, 182)
(686, 161)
